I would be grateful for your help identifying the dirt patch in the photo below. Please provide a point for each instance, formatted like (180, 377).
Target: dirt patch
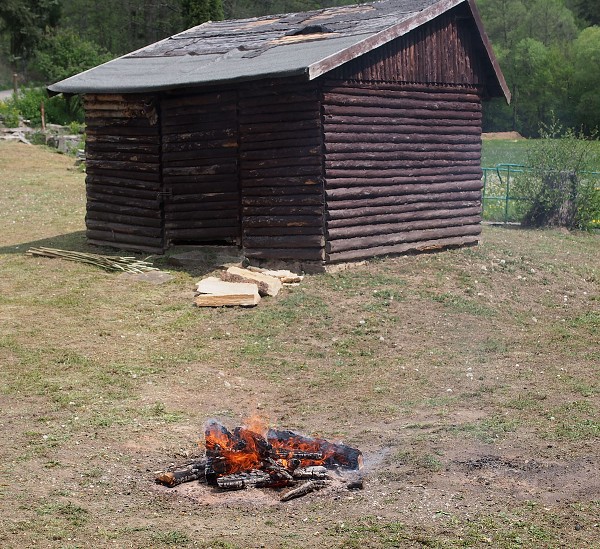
(502, 135)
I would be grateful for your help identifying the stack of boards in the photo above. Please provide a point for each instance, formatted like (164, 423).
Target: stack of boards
(242, 287)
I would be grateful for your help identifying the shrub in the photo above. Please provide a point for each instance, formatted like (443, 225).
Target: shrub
(9, 114)
(59, 110)
(559, 191)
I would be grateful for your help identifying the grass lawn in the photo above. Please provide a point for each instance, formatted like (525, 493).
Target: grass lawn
(469, 379)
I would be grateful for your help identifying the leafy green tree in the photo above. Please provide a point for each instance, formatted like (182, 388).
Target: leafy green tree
(63, 53)
(586, 51)
(196, 12)
(25, 21)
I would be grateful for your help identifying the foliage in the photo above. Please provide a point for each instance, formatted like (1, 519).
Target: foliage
(58, 109)
(559, 192)
(586, 50)
(196, 12)
(9, 115)
(63, 53)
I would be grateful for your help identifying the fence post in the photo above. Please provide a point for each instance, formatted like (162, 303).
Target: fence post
(507, 198)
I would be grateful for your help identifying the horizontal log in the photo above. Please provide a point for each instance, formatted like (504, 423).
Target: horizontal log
(228, 159)
(205, 190)
(175, 216)
(93, 178)
(284, 241)
(225, 118)
(425, 176)
(145, 247)
(301, 254)
(104, 218)
(314, 183)
(277, 101)
(248, 136)
(277, 231)
(288, 171)
(376, 224)
(366, 215)
(271, 129)
(112, 104)
(176, 150)
(286, 117)
(383, 146)
(215, 169)
(169, 115)
(116, 113)
(119, 140)
(405, 101)
(370, 192)
(228, 219)
(400, 164)
(109, 235)
(248, 190)
(116, 165)
(124, 228)
(385, 158)
(401, 203)
(418, 246)
(248, 147)
(110, 124)
(458, 114)
(123, 147)
(136, 202)
(424, 125)
(282, 210)
(390, 239)
(372, 135)
(116, 190)
(200, 128)
(122, 156)
(199, 99)
(286, 162)
(281, 152)
(425, 94)
(293, 105)
(282, 221)
(202, 182)
(202, 234)
(180, 197)
(406, 172)
(108, 97)
(199, 136)
(122, 209)
(287, 200)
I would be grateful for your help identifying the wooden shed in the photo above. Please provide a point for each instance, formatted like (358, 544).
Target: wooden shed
(325, 136)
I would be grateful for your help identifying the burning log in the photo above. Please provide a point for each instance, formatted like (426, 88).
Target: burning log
(245, 458)
(193, 471)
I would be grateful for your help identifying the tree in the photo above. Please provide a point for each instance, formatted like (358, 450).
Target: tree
(25, 22)
(63, 53)
(586, 53)
(196, 12)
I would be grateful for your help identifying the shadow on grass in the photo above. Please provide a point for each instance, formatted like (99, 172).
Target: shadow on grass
(193, 260)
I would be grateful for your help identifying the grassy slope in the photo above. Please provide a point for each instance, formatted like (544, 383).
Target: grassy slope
(423, 361)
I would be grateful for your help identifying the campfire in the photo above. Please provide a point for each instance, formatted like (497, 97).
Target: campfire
(254, 456)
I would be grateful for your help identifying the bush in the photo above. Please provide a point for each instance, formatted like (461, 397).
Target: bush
(559, 191)
(59, 110)
(9, 115)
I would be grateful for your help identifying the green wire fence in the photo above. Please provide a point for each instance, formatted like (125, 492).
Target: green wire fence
(499, 202)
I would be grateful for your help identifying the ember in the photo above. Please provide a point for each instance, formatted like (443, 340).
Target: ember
(255, 456)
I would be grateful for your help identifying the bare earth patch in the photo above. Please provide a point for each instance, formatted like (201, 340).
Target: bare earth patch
(468, 378)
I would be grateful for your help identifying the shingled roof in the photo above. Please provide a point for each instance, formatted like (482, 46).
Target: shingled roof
(304, 45)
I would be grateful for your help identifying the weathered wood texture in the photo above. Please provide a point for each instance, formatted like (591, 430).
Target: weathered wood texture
(402, 167)
(444, 51)
(123, 172)
(200, 167)
(281, 172)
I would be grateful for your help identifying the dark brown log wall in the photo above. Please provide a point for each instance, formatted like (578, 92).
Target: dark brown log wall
(281, 166)
(443, 51)
(123, 172)
(200, 167)
(402, 168)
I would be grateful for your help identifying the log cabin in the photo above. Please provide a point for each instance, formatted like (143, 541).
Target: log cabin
(328, 136)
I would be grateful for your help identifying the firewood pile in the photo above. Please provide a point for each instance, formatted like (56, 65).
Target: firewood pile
(242, 287)
(279, 459)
